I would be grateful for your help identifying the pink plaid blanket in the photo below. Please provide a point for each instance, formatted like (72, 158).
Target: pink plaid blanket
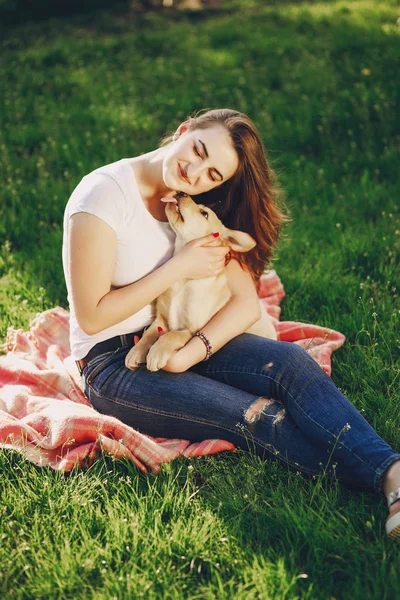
(45, 415)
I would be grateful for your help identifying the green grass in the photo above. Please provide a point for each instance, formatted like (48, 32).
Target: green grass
(81, 92)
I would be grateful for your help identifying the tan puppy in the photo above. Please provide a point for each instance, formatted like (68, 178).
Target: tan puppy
(189, 304)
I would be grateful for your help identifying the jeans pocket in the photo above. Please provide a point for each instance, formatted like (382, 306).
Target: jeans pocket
(96, 365)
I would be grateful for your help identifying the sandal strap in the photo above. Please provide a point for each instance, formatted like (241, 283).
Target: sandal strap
(393, 497)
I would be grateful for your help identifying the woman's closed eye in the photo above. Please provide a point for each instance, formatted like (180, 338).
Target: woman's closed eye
(198, 154)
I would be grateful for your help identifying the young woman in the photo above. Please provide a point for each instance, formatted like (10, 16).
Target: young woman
(255, 392)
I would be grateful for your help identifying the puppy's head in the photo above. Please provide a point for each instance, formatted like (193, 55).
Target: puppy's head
(191, 221)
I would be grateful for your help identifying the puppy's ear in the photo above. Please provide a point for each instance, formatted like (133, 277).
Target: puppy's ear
(237, 240)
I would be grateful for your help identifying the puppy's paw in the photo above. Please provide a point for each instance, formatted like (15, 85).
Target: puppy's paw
(158, 357)
(135, 357)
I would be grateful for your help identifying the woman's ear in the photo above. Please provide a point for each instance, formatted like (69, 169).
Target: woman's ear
(183, 127)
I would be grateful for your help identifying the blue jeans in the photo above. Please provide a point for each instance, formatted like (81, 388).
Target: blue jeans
(307, 423)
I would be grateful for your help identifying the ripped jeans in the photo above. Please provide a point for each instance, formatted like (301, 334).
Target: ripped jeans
(257, 393)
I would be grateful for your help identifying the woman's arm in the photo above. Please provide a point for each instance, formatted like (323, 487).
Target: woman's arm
(92, 254)
(238, 314)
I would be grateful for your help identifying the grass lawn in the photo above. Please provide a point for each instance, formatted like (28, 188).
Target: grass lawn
(320, 80)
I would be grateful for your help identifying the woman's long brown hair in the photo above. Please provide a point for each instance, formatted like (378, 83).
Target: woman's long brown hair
(250, 200)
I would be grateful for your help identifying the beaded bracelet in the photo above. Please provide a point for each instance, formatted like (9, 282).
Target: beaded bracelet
(206, 342)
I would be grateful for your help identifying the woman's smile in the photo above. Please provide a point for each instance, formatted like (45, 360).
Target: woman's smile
(182, 174)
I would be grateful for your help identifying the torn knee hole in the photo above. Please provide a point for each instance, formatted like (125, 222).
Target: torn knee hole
(254, 412)
(279, 417)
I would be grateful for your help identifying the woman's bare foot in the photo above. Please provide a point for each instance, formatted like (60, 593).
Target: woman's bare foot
(391, 482)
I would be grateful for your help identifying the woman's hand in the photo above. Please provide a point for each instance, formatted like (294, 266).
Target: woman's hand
(176, 364)
(198, 260)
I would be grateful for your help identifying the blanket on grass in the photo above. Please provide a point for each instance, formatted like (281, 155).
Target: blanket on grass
(45, 415)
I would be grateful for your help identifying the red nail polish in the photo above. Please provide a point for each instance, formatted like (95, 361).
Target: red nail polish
(215, 234)
(160, 329)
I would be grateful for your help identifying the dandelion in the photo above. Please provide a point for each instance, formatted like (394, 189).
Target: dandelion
(366, 72)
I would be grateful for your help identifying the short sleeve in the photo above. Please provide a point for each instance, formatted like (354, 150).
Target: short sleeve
(99, 195)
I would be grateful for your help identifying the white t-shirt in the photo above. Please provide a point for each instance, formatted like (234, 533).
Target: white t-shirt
(144, 243)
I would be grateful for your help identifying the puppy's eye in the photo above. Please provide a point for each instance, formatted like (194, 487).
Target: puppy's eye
(204, 213)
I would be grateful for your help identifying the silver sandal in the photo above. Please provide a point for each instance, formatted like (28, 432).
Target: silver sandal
(393, 522)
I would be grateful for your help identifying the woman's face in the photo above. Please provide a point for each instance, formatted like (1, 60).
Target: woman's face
(199, 160)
